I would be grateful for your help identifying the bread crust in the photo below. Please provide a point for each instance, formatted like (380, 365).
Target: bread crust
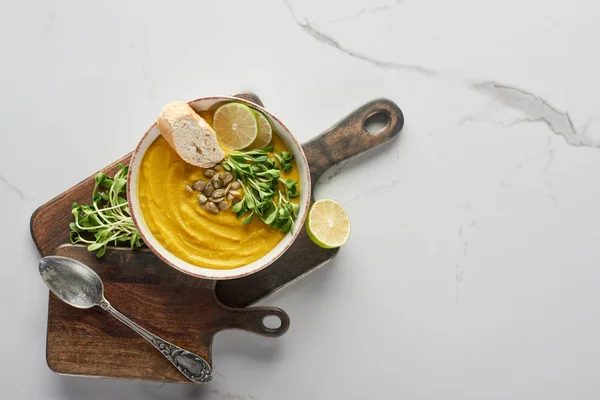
(189, 135)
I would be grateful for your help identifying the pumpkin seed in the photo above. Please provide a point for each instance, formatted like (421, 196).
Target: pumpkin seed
(229, 197)
(188, 188)
(209, 173)
(218, 193)
(223, 205)
(217, 167)
(202, 199)
(199, 185)
(235, 194)
(217, 200)
(236, 185)
(228, 178)
(217, 184)
(208, 190)
(212, 208)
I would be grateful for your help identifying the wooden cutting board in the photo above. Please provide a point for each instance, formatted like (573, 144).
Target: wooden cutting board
(184, 310)
(175, 306)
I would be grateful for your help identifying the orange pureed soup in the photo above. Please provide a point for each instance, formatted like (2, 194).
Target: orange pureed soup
(175, 218)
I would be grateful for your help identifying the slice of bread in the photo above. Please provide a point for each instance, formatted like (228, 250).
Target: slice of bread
(189, 135)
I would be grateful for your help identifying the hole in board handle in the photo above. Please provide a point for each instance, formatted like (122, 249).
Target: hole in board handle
(271, 323)
(376, 122)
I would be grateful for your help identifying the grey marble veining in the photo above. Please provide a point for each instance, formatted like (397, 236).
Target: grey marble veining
(536, 109)
(13, 188)
(328, 40)
(367, 11)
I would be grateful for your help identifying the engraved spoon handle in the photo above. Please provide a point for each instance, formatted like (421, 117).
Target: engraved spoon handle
(194, 367)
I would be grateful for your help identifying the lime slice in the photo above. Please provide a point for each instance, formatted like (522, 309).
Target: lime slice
(328, 224)
(265, 131)
(235, 125)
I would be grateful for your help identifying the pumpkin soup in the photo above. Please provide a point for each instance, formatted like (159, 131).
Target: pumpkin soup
(201, 238)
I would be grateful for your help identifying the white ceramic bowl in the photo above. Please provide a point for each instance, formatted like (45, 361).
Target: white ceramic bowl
(204, 104)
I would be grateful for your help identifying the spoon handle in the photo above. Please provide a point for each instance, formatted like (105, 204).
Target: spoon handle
(194, 367)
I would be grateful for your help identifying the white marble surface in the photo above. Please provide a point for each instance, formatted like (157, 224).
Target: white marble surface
(472, 271)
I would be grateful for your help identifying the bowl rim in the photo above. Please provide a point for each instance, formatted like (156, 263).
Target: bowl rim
(307, 187)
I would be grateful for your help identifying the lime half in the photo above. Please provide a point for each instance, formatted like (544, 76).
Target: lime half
(235, 125)
(327, 224)
(265, 131)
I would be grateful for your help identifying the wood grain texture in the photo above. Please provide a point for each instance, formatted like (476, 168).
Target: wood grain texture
(180, 308)
(348, 138)
(153, 294)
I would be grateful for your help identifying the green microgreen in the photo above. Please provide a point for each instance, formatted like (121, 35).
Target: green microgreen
(285, 160)
(108, 219)
(266, 194)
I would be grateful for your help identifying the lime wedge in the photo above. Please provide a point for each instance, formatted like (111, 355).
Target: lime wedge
(327, 224)
(265, 131)
(235, 125)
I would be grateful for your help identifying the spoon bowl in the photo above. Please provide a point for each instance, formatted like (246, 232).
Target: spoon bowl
(71, 281)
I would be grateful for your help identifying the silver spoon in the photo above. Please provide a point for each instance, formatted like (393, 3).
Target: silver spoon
(79, 286)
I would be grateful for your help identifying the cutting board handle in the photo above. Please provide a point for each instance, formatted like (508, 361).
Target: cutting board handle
(250, 96)
(349, 137)
(252, 319)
